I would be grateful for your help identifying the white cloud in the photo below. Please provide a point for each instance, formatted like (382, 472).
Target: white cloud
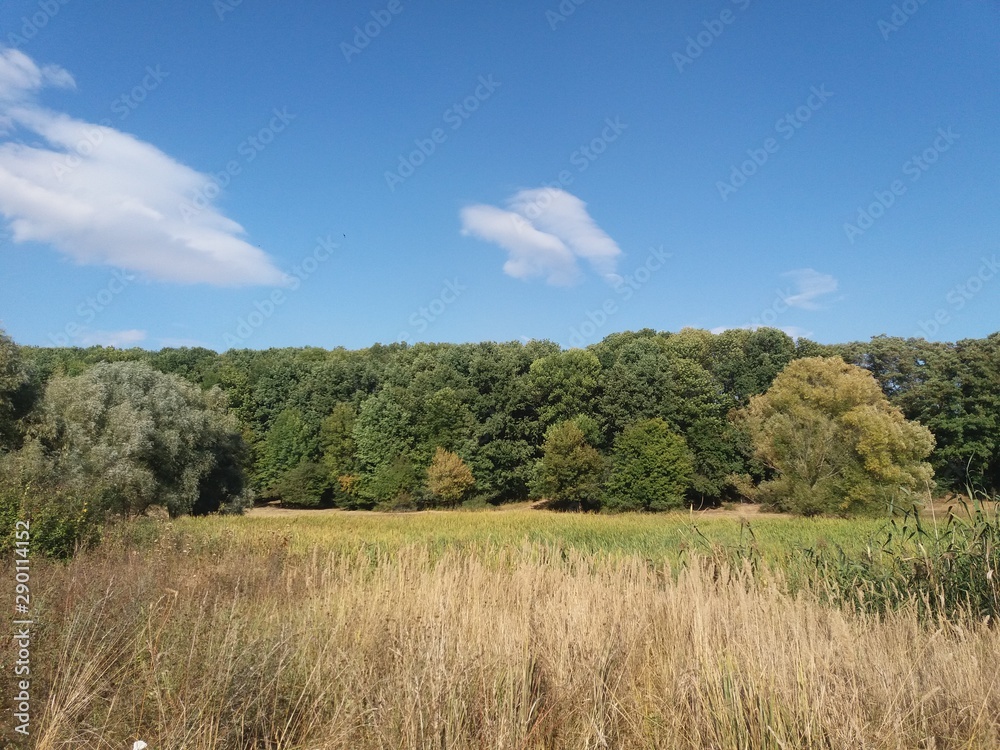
(102, 196)
(20, 76)
(545, 232)
(810, 286)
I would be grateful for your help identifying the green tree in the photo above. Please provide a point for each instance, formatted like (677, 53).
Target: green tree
(570, 471)
(394, 483)
(834, 441)
(718, 451)
(306, 486)
(287, 443)
(565, 385)
(441, 419)
(651, 469)
(505, 468)
(746, 362)
(448, 478)
(337, 439)
(506, 432)
(13, 386)
(115, 440)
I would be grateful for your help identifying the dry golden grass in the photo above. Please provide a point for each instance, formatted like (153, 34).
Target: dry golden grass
(246, 643)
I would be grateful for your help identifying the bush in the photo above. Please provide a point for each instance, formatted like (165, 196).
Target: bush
(449, 480)
(651, 469)
(570, 471)
(113, 441)
(305, 486)
(60, 520)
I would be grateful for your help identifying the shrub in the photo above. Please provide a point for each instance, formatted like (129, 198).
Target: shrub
(651, 469)
(305, 486)
(448, 478)
(570, 471)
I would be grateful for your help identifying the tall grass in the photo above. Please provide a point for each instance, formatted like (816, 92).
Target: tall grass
(230, 636)
(947, 567)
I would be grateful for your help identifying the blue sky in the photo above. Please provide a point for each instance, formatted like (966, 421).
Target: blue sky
(258, 174)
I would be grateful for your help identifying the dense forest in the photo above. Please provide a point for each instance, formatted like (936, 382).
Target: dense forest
(403, 426)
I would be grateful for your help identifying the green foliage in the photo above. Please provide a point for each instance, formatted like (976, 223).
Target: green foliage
(356, 413)
(449, 480)
(60, 519)
(441, 419)
(383, 430)
(122, 437)
(564, 385)
(507, 466)
(947, 569)
(14, 383)
(336, 438)
(717, 449)
(635, 384)
(954, 390)
(394, 482)
(289, 442)
(834, 441)
(651, 469)
(747, 362)
(570, 471)
(306, 486)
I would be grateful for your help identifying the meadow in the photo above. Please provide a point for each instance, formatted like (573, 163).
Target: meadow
(511, 629)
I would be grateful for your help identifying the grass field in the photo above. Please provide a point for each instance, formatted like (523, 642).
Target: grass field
(659, 537)
(514, 629)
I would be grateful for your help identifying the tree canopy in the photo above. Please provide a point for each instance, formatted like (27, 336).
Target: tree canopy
(834, 441)
(360, 429)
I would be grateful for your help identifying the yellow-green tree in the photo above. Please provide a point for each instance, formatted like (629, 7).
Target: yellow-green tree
(448, 478)
(570, 471)
(834, 441)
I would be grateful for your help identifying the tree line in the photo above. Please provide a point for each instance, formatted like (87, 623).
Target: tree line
(407, 426)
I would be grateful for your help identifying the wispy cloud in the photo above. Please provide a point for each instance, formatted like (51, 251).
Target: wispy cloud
(545, 231)
(810, 285)
(101, 196)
